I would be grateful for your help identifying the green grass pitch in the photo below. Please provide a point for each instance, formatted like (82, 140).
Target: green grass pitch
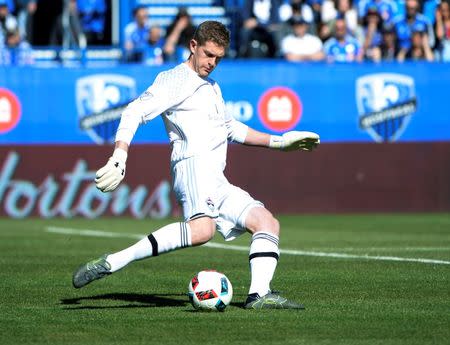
(372, 296)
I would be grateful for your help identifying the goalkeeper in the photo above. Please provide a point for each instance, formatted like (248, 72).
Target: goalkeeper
(198, 128)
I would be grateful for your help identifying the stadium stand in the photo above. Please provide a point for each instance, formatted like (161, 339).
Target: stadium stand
(163, 12)
(321, 15)
(160, 13)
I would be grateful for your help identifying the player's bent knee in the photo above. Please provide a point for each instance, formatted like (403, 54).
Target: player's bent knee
(276, 225)
(202, 230)
(260, 219)
(273, 226)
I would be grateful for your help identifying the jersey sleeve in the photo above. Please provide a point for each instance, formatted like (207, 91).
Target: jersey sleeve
(237, 131)
(169, 89)
(327, 47)
(128, 32)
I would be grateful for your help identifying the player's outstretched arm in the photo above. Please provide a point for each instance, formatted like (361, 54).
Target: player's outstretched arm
(108, 177)
(295, 140)
(289, 141)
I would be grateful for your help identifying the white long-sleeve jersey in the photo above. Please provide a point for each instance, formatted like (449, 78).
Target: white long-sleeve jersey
(193, 111)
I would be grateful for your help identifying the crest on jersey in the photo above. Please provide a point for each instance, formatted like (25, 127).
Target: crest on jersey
(210, 204)
(385, 104)
(100, 99)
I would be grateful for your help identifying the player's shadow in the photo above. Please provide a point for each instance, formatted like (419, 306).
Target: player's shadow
(132, 300)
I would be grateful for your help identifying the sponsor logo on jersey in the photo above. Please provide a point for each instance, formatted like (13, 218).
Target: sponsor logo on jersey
(146, 95)
(10, 110)
(280, 109)
(101, 98)
(210, 204)
(385, 104)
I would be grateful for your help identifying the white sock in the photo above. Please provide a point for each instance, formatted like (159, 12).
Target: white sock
(166, 239)
(264, 254)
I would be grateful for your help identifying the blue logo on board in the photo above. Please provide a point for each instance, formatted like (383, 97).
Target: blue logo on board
(101, 98)
(385, 103)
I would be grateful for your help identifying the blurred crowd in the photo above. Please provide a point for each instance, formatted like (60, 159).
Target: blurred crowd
(62, 24)
(295, 30)
(346, 31)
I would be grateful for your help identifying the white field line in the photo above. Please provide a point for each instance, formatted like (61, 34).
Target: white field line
(373, 249)
(97, 233)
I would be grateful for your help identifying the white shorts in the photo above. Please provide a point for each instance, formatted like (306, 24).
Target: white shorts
(202, 190)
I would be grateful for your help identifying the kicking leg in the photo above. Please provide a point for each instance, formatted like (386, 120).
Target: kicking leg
(168, 238)
(263, 258)
(264, 252)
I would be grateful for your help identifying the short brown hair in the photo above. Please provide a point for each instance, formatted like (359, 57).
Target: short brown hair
(213, 31)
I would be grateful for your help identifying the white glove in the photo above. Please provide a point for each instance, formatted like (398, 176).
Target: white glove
(108, 178)
(295, 140)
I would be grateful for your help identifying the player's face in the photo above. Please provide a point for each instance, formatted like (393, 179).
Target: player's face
(416, 40)
(300, 29)
(341, 29)
(141, 17)
(205, 57)
(412, 7)
(445, 10)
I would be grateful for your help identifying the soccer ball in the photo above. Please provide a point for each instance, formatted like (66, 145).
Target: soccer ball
(210, 290)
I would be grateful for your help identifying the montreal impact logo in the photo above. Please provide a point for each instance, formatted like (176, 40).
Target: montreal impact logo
(385, 103)
(101, 98)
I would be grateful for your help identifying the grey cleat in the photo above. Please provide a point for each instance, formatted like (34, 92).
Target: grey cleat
(91, 271)
(270, 301)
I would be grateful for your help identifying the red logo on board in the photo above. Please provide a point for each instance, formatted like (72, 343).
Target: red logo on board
(280, 109)
(10, 110)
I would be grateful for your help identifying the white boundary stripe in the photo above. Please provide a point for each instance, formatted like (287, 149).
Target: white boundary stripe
(91, 233)
(335, 255)
(97, 233)
(373, 249)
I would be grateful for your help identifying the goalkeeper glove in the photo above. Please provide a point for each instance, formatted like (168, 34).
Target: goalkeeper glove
(108, 178)
(295, 140)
